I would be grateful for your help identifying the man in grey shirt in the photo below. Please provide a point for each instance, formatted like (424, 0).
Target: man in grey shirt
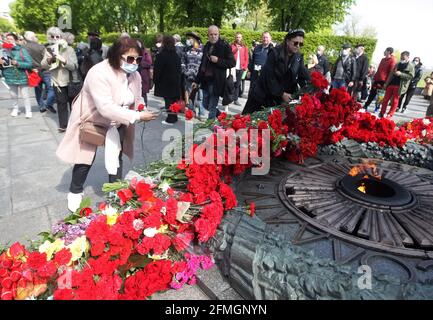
(344, 75)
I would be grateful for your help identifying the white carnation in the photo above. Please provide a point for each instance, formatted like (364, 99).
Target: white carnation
(150, 232)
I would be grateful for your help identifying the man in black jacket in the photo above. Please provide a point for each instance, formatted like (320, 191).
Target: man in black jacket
(345, 74)
(283, 72)
(362, 65)
(413, 84)
(217, 58)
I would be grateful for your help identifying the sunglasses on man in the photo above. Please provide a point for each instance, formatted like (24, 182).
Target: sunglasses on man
(131, 59)
(55, 37)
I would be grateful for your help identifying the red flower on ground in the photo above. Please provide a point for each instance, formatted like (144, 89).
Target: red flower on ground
(189, 114)
(175, 107)
(125, 195)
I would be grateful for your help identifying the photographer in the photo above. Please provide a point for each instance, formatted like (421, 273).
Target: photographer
(15, 61)
(110, 96)
(61, 60)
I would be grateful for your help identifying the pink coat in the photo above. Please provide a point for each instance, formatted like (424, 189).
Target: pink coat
(101, 100)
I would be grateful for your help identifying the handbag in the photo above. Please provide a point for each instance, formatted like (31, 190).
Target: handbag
(229, 90)
(75, 84)
(91, 132)
(33, 78)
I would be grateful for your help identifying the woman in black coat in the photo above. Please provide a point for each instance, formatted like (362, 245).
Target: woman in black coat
(167, 76)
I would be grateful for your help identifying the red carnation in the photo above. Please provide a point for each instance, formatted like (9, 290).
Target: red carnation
(85, 212)
(36, 260)
(175, 107)
(252, 209)
(63, 257)
(140, 107)
(125, 195)
(189, 114)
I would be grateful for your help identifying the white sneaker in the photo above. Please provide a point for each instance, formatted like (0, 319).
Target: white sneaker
(167, 123)
(14, 113)
(28, 115)
(74, 201)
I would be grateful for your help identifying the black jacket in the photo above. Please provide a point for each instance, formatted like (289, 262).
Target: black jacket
(362, 67)
(418, 75)
(278, 76)
(226, 60)
(90, 59)
(167, 73)
(323, 62)
(350, 73)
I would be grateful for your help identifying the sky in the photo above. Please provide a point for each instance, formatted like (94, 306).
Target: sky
(401, 24)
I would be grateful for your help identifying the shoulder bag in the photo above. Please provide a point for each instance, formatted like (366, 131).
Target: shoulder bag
(91, 132)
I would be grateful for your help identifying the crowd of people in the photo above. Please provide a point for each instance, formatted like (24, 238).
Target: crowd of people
(93, 83)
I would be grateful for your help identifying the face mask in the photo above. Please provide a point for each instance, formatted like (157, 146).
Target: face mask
(189, 43)
(345, 53)
(129, 68)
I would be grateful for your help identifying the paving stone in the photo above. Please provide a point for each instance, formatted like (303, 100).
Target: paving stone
(23, 226)
(212, 282)
(29, 133)
(186, 293)
(39, 188)
(5, 201)
(34, 156)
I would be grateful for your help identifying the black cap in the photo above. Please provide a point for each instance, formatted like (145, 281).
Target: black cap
(93, 33)
(346, 46)
(292, 33)
(194, 35)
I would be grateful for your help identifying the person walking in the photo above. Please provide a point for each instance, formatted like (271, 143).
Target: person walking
(37, 52)
(323, 62)
(111, 95)
(146, 71)
(397, 84)
(259, 57)
(283, 72)
(15, 66)
(167, 77)
(386, 66)
(193, 57)
(240, 52)
(61, 60)
(412, 87)
(92, 57)
(217, 58)
(345, 72)
(362, 67)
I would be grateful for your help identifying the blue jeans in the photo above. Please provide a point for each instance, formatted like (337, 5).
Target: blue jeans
(339, 83)
(210, 101)
(46, 80)
(198, 99)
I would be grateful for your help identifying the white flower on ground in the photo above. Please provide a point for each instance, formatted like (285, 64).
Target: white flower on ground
(150, 232)
(426, 122)
(138, 224)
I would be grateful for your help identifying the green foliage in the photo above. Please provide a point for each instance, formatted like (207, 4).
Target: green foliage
(311, 15)
(332, 43)
(6, 25)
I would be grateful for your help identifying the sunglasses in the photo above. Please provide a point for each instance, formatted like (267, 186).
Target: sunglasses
(131, 59)
(298, 43)
(55, 37)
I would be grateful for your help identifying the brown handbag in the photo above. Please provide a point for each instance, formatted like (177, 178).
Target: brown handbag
(91, 132)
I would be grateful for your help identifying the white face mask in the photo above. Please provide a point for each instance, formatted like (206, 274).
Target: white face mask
(345, 52)
(189, 42)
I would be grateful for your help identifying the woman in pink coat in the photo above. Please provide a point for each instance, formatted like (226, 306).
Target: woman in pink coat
(111, 93)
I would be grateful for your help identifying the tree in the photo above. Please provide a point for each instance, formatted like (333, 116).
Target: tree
(352, 27)
(6, 25)
(309, 15)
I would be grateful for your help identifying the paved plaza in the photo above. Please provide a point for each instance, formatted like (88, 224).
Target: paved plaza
(34, 183)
